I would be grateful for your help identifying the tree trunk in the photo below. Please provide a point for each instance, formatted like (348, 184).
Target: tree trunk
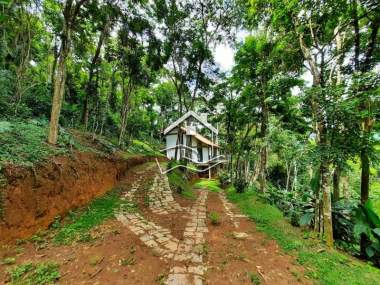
(89, 87)
(336, 180)
(59, 91)
(327, 216)
(345, 190)
(287, 175)
(124, 111)
(70, 13)
(263, 152)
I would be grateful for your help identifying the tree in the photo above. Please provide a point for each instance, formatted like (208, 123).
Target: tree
(263, 67)
(71, 11)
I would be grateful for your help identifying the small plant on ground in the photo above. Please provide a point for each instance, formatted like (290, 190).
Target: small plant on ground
(127, 261)
(254, 278)
(8, 261)
(215, 219)
(34, 274)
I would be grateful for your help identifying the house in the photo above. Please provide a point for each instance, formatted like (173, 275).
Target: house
(185, 141)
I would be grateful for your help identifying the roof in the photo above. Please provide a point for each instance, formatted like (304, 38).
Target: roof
(188, 115)
(201, 138)
(204, 140)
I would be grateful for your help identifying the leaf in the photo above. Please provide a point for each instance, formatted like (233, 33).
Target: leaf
(371, 213)
(361, 228)
(306, 219)
(376, 232)
(370, 251)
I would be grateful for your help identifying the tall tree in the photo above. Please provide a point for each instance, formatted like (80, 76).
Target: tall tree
(71, 10)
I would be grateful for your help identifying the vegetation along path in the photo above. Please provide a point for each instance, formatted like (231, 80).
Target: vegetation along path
(142, 232)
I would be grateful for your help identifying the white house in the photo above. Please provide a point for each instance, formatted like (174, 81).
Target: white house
(185, 141)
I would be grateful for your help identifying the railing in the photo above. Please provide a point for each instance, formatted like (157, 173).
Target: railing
(218, 160)
(185, 166)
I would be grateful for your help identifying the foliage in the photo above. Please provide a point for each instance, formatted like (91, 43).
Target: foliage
(81, 222)
(141, 147)
(24, 143)
(35, 274)
(309, 252)
(224, 178)
(368, 223)
(209, 184)
(179, 180)
(214, 218)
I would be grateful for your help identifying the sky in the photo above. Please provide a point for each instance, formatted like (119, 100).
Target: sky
(224, 53)
(224, 57)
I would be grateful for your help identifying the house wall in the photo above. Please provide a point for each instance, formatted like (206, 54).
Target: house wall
(171, 141)
(205, 153)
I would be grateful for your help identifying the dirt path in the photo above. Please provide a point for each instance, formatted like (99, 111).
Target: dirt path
(159, 237)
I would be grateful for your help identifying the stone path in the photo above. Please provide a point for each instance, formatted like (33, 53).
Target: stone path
(228, 206)
(187, 254)
(160, 196)
(191, 249)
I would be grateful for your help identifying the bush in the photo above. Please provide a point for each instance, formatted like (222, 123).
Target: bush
(178, 178)
(368, 224)
(224, 178)
(214, 217)
(240, 185)
(29, 273)
(277, 175)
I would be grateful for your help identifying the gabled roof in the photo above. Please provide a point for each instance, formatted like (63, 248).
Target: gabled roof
(188, 115)
(201, 138)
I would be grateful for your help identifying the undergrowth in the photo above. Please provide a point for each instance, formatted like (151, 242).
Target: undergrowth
(34, 274)
(210, 184)
(80, 223)
(323, 265)
(179, 181)
(24, 143)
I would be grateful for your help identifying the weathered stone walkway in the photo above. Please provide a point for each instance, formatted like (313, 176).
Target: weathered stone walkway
(191, 249)
(187, 254)
(160, 196)
(228, 206)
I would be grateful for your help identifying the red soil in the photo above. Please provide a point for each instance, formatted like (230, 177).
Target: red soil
(33, 198)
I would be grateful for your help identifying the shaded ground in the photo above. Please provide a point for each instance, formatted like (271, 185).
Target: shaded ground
(198, 252)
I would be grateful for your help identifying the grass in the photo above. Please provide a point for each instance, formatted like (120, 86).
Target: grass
(34, 274)
(24, 143)
(214, 217)
(329, 267)
(140, 147)
(78, 229)
(210, 184)
(179, 181)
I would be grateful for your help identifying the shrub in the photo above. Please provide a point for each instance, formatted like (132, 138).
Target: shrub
(29, 273)
(224, 178)
(214, 217)
(240, 185)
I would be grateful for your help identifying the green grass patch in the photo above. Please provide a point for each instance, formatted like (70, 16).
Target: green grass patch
(214, 218)
(24, 143)
(178, 180)
(34, 274)
(329, 267)
(82, 221)
(210, 184)
(140, 147)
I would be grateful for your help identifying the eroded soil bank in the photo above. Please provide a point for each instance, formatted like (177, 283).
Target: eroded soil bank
(34, 197)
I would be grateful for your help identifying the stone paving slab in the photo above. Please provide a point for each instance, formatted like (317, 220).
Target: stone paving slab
(189, 251)
(160, 196)
(228, 206)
